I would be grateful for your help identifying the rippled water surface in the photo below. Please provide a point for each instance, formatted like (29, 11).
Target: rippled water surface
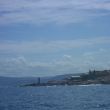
(55, 98)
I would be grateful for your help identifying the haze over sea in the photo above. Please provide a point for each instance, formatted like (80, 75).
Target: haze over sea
(92, 97)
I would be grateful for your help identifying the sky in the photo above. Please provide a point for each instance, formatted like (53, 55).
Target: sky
(53, 37)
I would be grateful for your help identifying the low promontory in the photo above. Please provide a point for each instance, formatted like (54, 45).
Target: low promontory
(92, 77)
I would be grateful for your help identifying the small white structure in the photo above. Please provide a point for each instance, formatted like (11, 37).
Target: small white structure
(75, 77)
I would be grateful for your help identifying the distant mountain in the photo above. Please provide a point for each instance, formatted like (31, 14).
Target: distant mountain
(15, 81)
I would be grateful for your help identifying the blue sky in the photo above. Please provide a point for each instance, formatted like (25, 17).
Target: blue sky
(51, 37)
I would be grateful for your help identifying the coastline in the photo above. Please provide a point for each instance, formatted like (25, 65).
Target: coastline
(92, 77)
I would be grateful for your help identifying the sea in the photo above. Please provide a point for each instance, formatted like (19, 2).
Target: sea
(83, 97)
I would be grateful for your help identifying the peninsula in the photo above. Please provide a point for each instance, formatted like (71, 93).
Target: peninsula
(92, 77)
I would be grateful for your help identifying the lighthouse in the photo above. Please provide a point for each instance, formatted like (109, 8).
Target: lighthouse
(38, 80)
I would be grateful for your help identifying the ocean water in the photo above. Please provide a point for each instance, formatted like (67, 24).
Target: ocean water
(93, 97)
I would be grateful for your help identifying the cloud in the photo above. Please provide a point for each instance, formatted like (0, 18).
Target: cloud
(50, 46)
(19, 66)
(67, 56)
(53, 57)
(67, 63)
(49, 11)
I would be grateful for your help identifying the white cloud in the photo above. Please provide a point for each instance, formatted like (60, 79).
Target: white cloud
(44, 11)
(20, 66)
(59, 58)
(67, 56)
(50, 46)
(67, 63)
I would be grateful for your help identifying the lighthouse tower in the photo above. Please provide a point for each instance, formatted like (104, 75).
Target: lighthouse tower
(38, 80)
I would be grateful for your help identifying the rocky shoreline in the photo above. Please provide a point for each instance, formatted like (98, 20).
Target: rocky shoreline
(92, 77)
